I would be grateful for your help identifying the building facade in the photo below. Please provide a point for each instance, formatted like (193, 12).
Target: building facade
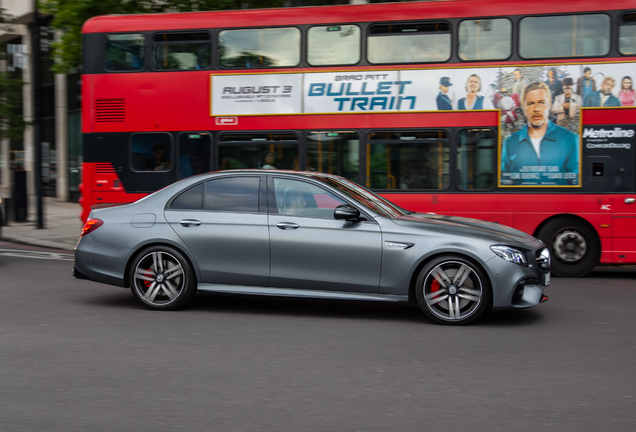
(60, 130)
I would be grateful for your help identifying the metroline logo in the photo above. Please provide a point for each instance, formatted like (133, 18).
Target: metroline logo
(608, 133)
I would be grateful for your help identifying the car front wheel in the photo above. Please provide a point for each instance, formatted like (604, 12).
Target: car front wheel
(452, 290)
(161, 278)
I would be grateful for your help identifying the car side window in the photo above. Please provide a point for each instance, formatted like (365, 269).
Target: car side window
(233, 194)
(303, 199)
(191, 199)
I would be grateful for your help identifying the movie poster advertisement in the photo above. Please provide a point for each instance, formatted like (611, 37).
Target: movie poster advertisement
(540, 106)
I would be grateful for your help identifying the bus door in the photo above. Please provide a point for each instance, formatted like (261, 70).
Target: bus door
(609, 160)
(624, 223)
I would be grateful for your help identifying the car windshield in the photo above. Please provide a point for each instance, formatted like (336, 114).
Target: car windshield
(364, 197)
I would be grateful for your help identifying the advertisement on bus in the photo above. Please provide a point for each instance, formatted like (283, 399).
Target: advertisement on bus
(540, 143)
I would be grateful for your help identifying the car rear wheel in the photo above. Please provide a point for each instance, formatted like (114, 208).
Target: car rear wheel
(574, 246)
(452, 290)
(161, 278)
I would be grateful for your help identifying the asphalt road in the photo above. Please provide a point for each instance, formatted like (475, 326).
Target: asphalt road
(81, 356)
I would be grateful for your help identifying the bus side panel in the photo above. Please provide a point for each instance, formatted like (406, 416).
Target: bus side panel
(595, 209)
(87, 104)
(101, 185)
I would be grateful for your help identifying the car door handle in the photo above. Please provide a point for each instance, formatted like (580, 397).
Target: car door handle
(630, 200)
(287, 225)
(190, 222)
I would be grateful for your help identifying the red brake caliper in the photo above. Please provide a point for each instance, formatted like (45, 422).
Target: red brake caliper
(435, 285)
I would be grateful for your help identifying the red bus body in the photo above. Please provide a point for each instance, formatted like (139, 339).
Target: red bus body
(153, 101)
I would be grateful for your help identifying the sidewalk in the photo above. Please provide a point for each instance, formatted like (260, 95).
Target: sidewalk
(62, 225)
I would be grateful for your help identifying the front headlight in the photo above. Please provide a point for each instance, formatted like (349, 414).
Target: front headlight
(510, 254)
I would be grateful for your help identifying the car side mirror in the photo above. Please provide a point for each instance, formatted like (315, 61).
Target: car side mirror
(346, 212)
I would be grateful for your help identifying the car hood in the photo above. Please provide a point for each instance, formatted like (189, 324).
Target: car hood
(464, 227)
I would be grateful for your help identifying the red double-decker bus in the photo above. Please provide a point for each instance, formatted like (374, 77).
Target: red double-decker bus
(514, 112)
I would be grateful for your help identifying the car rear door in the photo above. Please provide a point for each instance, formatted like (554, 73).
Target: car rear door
(224, 224)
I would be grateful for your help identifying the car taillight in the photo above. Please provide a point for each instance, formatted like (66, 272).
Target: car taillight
(91, 225)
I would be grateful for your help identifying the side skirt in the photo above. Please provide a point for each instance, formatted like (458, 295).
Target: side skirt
(303, 293)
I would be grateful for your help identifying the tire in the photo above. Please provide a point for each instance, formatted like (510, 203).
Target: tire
(161, 278)
(574, 246)
(452, 290)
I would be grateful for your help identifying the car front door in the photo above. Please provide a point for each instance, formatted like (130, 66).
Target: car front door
(310, 249)
(224, 224)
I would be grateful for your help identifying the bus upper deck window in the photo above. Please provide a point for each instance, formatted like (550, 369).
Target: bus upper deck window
(124, 52)
(488, 39)
(627, 34)
(333, 45)
(257, 48)
(409, 43)
(564, 36)
(181, 51)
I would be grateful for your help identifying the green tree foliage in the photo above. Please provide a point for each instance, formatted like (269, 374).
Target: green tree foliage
(12, 122)
(70, 15)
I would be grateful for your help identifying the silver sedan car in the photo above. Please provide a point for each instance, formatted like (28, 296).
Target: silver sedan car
(304, 234)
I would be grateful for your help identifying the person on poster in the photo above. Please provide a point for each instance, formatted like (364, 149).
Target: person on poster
(520, 82)
(541, 153)
(567, 105)
(472, 100)
(586, 84)
(554, 84)
(444, 101)
(626, 94)
(603, 97)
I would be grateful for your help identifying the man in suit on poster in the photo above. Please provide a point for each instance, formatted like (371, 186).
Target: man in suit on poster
(541, 153)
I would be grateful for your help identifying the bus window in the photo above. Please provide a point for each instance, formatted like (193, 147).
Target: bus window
(408, 160)
(409, 43)
(627, 34)
(151, 152)
(194, 154)
(124, 52)
(333, 45)
(488, 39)
(266, 47)
(564, 36)
(258, 151)
(334, 153)
(476, 159)
(181, 51)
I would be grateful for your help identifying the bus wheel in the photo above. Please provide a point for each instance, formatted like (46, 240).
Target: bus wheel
(574, 246)
(452, 290)
(161, 278)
